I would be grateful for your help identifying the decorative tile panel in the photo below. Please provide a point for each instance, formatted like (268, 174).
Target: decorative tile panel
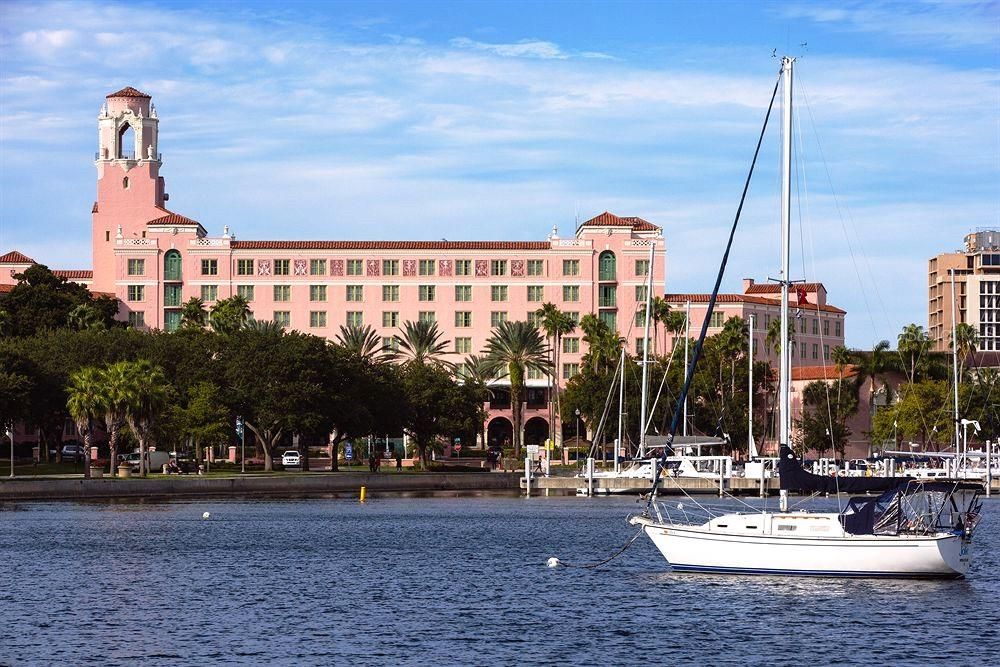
(409, 267)
(301, 267)
(336, 267)
(444, 267)
(263, 267)
(372, 268)
(482, 268)
(517, 267)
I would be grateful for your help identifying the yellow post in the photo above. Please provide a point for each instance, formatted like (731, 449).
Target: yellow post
(363, 490)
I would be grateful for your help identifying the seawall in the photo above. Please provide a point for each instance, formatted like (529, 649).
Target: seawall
(290, 485)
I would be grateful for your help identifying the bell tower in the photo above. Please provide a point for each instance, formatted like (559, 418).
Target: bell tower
(130, 190)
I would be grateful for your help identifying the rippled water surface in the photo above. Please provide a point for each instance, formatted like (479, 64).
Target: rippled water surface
(440, 581)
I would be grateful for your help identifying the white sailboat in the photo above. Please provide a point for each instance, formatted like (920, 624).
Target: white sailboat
(914, 528)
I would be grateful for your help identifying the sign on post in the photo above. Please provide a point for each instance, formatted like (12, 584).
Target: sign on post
(533, 452)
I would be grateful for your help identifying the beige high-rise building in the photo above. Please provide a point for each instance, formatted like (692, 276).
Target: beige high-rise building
(977, 284)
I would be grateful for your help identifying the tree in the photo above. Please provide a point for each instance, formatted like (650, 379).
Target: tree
(17, 384)
(517, 347)
(913, 344)
(86, 316)
(43, 301)
(675, 323)
(193, 314)
(230, 315)
(476, 375)
(773, 336)
(825, 411)
(923, 412)
(421, 342)
(204, 420)
(86, 404)
(968, 343)
(434, 405)
(146, 387)
(603, 344)
(555, 324)
(115, 386)
(360, 341)
(660, 311)
(872, 367)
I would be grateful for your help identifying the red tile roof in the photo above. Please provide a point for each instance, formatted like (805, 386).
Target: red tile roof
(822, 372)
(74, 274)
(128, 91)
(172, 219)
(15, 257)
(607, 219)
(775, 288)
(743, 298)
(390, 245)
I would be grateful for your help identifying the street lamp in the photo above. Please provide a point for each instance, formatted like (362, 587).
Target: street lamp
(576, 447)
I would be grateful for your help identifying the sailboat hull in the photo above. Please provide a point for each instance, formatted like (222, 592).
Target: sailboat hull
(699, 549)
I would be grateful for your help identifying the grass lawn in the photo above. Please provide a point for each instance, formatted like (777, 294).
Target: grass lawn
(22, 469)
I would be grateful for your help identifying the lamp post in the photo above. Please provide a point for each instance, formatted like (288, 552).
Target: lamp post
(576, 446)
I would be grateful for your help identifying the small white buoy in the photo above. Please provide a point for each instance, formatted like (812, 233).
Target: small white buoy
(553, 562)
(205, 515)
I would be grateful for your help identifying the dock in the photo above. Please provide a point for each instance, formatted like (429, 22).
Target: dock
(667, 485)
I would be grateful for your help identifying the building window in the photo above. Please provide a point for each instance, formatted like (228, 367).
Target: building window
(245, 291)
(640, 294)
(641, 267)
(463, 267)
(209, 293)
(463, 318)
(638, 345)
(802, 324)
(573, 315)
(571, 345)
(610, 319)
(536, 267)
(498, 267)
(534, 318)
(425, 267)
(426, 292)
(317, 267)
(463, 345)
(607, 266)
(317, 292)
(571, 267)
(826, 327)
(815, 327)
(717, 320)
(171, 296)
(498, 293)
(281, 267)
(282, 292)
(355, 293)
(137, 319)
(355, 318)
(136, 292)
(282, 318)
(815, 351)
(137, 267)
(463, 292)
(826, 352)
(569, 370)
(804, 350)
(390, 292)
(836, 328)
(571, 292)
(390, 344)
(244, 267)
(317, 318)
(535, 293)
(390, 267)
(355, 267)
(427, 316)
(535, 374)
(640, 317)
(607, 296)
(496, 317)
(390, 318)
(209, 267)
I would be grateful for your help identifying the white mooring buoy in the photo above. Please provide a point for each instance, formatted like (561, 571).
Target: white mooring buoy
(205, 515)
(553, 562)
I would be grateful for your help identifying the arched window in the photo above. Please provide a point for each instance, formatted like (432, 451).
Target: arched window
(172, 265)
(125, 182)
(606, 266)
(126, 142)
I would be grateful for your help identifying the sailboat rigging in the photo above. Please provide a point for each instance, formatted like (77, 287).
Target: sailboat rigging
(913, 529)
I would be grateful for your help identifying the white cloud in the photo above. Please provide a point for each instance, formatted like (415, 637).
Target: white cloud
(524, 49)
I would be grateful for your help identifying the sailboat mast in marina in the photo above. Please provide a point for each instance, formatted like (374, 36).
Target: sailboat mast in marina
(910, 528)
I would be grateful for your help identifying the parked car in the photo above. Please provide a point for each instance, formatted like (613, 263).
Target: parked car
(291, 459)
(72, 453)
(154, 461)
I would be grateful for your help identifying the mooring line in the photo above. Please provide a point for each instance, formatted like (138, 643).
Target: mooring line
(555, 562)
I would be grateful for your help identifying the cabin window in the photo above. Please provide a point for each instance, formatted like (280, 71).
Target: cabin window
(785, 527)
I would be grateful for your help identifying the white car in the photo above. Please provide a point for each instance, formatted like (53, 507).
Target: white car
(291, 459)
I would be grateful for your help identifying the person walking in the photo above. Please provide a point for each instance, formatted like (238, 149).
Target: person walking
(399, 459)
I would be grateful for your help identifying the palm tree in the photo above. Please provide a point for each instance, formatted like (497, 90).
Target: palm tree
(872, 367)
(913, 342)
(193, 314)
(517, 347)
(115, 398)
(968, 343)
(421, 343)
(477, 371)
(733, 345)
(556, 324)
(603, 344)
(230, 315)
(841, 357)
(660, 312)
(675, 322)
(85, 316)
(265, 327)
(146, 396)
(361, 341)
(85, 402)
(773, 336)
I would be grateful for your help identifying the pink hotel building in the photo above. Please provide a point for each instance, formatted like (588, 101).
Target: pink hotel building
(154, 259)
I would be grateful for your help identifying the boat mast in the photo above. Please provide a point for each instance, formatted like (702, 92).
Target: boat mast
(687, 346)
(784, 405)
(645, 352)
(954, 359)
(621, 406)
(752, 448)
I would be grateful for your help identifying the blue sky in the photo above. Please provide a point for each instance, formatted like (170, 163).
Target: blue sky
(382, 120)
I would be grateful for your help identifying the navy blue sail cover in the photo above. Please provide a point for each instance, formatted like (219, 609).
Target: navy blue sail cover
(794, 477)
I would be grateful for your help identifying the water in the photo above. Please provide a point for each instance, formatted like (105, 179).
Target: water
(457, 580)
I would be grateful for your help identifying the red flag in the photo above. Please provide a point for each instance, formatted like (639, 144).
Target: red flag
(800, 293)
